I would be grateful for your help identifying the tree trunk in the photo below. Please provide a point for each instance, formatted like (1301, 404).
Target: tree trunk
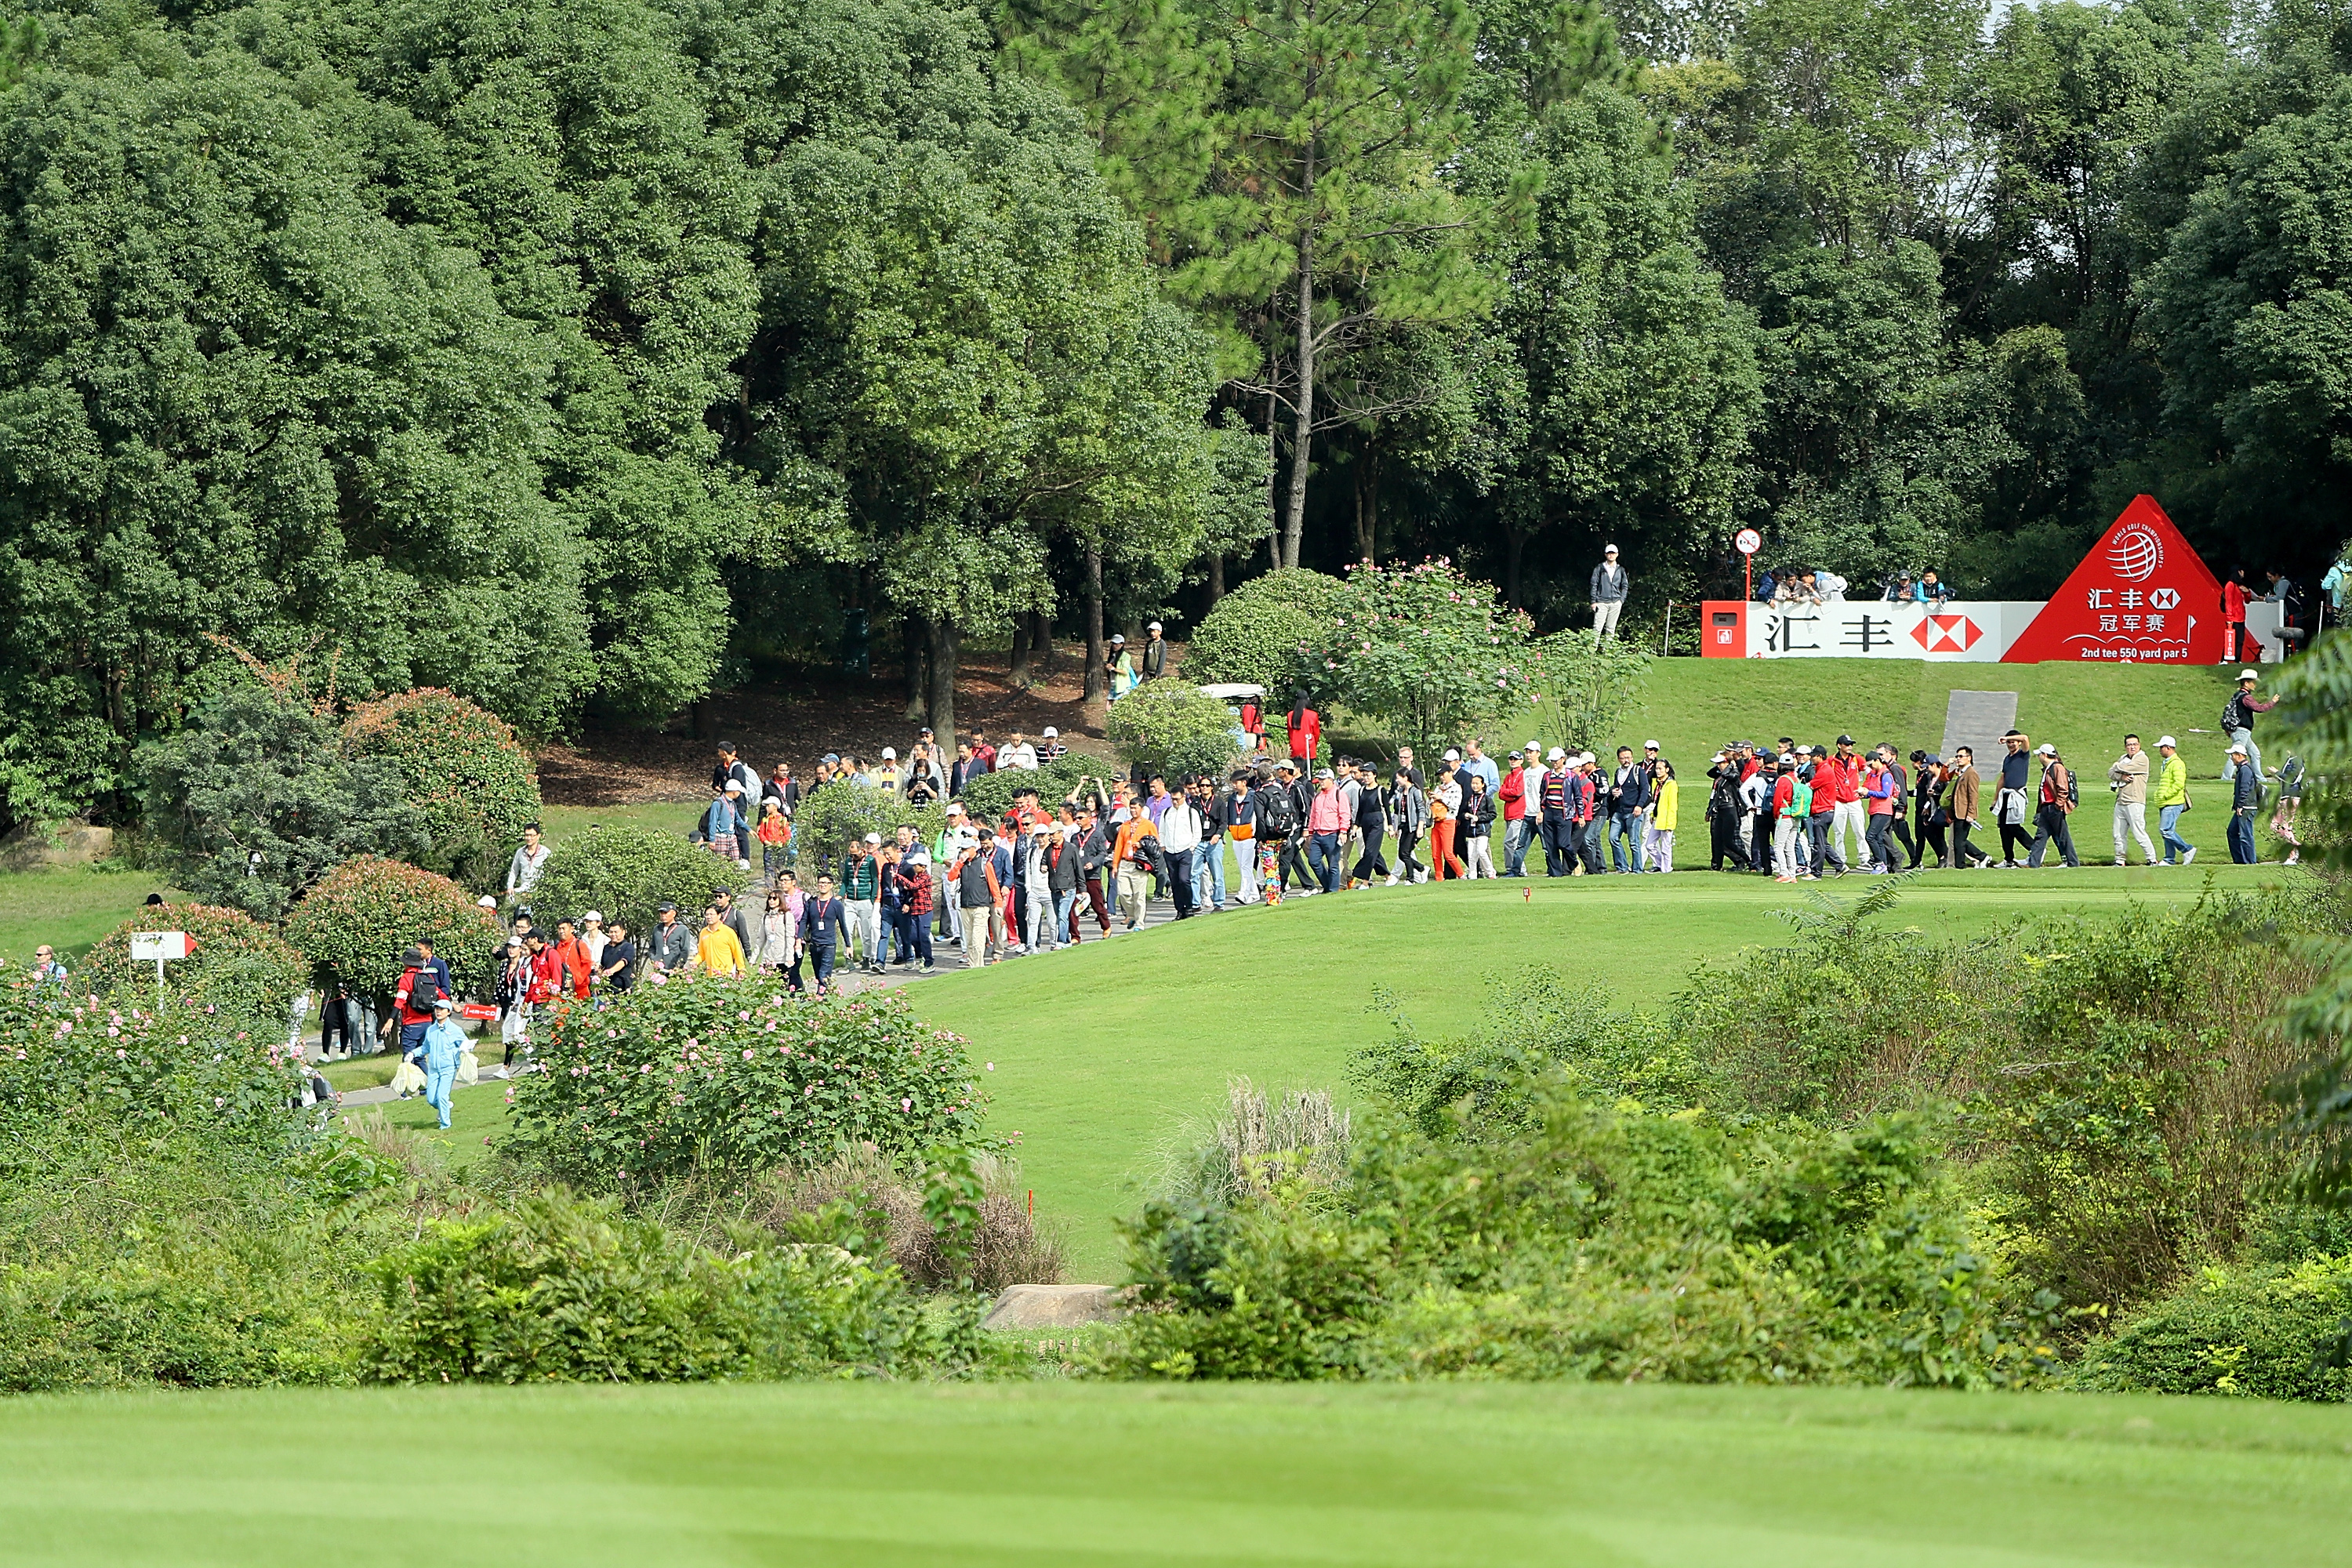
(945, 645)
(1515, 542)
(916, 642)
(1017, 676)
(1216, 578)
(1273, 470)
(1368, 510)
(1302, 430)
(1097, 685)
(1041, 642)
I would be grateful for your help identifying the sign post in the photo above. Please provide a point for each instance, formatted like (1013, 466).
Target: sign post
(162, 946)
(1749, 542)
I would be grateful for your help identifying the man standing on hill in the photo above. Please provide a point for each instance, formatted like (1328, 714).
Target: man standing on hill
(528, 863)
(1155, 652)
(1610, 586)
(2129, 778)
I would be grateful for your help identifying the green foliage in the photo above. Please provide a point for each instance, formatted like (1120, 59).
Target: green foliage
(124, 1068)
(840, 813)
(739, 1075)
(238, 965)
(1591, 1244)
(989, 796)
(172, 1259)
(257, 771)
(1426, 652)
(1584, 685)
(1253, 634)
(2264, 1332)
(353, 926)
(463, 771)
(626, 872)
(1169, 727)
(562, 1289)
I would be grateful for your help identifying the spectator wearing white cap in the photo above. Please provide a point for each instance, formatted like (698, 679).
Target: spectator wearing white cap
(2056, 804)
(1155, 652)
(592, 937)
(1120, 675)
(2238, 719)
(2171, 798)
(2245, 799)
(2127, 777)
(1609, 585)
(888, 777)
(1049, 746)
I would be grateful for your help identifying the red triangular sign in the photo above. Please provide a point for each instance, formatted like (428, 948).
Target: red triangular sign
(2140, 597)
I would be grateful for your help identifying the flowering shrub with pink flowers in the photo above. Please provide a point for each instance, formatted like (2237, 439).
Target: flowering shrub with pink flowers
(89, 1065)
(740, 1074)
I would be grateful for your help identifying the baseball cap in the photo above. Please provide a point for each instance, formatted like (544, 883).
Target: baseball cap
(1716, 758)
(1052, 733)
(1787, 761)
(1325, 774)
(2237, 751)
(443, 1004)
(1286, 765)
(1154, 626)
(2047, 749)
(486, 901)
(2248, 675)
(594, 917)
(955, 809)
(667, 907)
(1845, 740)
(2169, 741)
(734, 787)
(1556, 755)
(889, 755)
(873, 838)
(1452, 756)
(1532, 746)
(1649, 745)
(1609, 550)
(1117, 637)
(1804, 751)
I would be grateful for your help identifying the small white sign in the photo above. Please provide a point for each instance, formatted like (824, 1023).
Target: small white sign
(159, 946)
(1749, 541)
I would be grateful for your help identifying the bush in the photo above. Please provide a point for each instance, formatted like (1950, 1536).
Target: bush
(238, 965)
(129, 1069)
(258, 770)
(462, 769)
(353, 926)
(1169, 727)
(135, 1261)
(1426, 653)
(739, 1075)
(624, 873)
(2273, 1331)
(832, 818)
(1254, 633)
(570, 1290)
(1007, 1247)
(989, 796)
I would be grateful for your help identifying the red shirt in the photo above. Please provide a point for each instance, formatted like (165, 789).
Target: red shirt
(546, 976)
(572, 958)
(2233, 602)
(1306, 735)
(1514, 795)
(410, 1013)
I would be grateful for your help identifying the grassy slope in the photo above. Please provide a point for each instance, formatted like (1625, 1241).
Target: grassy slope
(1104, 1055)
(874, 1475)
(69, 909)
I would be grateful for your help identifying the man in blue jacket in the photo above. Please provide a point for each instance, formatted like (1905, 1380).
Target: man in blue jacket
(438, 1053)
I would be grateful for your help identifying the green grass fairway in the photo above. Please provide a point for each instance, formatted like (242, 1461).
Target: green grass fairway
(1105, 1054)
(69, 908)
(871, 1475)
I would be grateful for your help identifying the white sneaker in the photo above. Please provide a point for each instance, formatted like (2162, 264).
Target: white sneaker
(2190, 855)
(1391, 881)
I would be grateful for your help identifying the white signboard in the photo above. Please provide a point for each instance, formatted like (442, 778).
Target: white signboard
(1957, 632)
(159, 946)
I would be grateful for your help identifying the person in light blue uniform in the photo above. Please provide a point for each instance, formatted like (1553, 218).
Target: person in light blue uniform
(438, 1053)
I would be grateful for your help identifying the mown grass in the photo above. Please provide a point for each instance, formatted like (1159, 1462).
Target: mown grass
(1085, 1473)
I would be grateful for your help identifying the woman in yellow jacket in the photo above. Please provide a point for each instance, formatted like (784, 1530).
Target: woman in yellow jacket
(1666, 804)
(2170, 795)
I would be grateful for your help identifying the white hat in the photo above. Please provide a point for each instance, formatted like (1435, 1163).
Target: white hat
(486, 901)
(955, 809)
(1154, 626)
(594, 917)
(734, 787)
(1557, 755)
(2169, 741)
(1649, 745)
(2248, 675)
(1716, 758)
(1119, 636)
(1532, 746)
(1610, 550)
(2237, 751)
(2048, 749)
(889, 755)
(1804, 751)
(1452, 756)
(873, 838)
(1052, 733)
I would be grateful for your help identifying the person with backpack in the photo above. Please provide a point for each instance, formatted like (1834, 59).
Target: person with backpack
(420, 983)
(2059, 797)
(2238, 719)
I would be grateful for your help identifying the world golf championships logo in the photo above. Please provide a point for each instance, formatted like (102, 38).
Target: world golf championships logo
(2135, 553)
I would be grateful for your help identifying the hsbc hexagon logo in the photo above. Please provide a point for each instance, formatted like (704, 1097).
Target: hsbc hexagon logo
(2164, 598)
(1946, 634)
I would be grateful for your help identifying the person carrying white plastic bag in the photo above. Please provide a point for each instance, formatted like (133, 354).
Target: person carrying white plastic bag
(442, 1050)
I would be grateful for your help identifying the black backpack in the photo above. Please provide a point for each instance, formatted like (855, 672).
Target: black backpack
(1277, 813)
(2234, 715)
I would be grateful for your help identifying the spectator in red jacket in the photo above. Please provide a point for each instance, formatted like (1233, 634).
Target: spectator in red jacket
(1306, 732)
(575, 966)
(1517, 824)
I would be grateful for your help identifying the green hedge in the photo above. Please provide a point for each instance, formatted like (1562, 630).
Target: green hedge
(239, 965)
(463, 768)
(2273, 1331)
(1253, 633)
(1169, 727)
(624, 873)
(355, 925)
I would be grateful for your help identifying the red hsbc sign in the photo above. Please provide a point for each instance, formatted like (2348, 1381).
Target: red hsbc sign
(2140, 597)
(1939, 633)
